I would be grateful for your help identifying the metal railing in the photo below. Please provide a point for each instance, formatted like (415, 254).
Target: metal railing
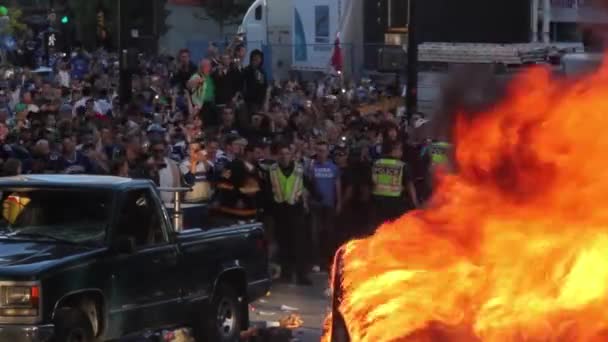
(178, 213)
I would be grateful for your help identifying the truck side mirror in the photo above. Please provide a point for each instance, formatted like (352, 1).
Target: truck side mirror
(124, 245)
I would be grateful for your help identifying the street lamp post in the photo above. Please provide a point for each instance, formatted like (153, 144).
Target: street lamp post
(125, 79)
(411, 103)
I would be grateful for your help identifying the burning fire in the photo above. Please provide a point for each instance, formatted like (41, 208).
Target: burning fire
(514, 247)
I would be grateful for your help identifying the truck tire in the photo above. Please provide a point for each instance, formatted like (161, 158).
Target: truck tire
(224, 321)
(72, 325)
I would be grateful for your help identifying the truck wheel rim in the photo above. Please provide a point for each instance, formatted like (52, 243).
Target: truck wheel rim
(225, 318)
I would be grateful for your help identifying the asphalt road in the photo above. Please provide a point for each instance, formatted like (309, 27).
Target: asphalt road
(311, 304)
(308, 302)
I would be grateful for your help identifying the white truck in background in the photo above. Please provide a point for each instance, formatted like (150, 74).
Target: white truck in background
(300, 33)
(269, 22)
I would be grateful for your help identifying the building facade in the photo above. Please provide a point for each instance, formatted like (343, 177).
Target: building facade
(571, 21)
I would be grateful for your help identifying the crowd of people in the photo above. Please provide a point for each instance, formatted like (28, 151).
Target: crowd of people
(301, 156)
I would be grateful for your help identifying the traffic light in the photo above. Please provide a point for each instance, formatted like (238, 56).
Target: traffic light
(65, 19)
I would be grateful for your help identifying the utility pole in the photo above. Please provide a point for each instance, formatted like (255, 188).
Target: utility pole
(125, 92)
(411, 102)
(534, 21)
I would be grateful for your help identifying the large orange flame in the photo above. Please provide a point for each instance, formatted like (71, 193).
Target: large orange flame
(514, 247)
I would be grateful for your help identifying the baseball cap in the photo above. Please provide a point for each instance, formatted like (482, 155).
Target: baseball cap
(235, 138)
(156, 128)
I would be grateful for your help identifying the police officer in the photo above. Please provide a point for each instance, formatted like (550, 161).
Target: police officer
(392, 189)
(440, 151)
(438, 155)
(288, 184)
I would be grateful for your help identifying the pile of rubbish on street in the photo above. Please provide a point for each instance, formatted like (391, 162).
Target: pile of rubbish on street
(179, 335)
(267, 334)
(279, 330)
(168, 335)
(266, 331)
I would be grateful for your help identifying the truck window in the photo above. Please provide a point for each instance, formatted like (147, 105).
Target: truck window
(258, 13)
(140, 219)
(322, 24)
(77, 216)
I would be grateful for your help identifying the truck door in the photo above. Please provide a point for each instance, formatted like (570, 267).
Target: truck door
(145, 287)
(255, 26)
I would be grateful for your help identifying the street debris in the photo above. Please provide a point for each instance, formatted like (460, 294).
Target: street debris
(288, 308)
(268, 335)
(273, 331)
(179, 335)
(292, 321)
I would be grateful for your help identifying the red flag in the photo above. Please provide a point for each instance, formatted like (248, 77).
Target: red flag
(337, 61)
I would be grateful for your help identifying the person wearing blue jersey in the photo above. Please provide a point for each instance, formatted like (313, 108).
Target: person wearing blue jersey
(71, 161)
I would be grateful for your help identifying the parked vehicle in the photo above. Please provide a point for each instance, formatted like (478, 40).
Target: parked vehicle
(86, 258)
(301, 32)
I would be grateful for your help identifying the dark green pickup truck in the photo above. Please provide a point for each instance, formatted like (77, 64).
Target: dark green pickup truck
(94, 258)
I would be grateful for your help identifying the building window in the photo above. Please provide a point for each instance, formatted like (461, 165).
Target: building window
(322, 24)
(398, 14)
(258, 13)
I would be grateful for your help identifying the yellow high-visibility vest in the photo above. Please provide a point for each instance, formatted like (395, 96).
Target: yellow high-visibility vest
(387, 175)
(439, 153)
(287, 189)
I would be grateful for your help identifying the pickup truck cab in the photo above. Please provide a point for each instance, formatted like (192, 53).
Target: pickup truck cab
(95, 258)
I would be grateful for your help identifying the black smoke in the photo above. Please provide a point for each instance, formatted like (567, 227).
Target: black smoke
(474, 21)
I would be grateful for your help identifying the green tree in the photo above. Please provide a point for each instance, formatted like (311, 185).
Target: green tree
(11, 22)
(15, 25)
(225, 12)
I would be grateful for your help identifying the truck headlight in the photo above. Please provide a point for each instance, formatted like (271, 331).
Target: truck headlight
(19, 301)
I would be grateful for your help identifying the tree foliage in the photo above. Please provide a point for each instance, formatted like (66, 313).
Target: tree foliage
(15, 26)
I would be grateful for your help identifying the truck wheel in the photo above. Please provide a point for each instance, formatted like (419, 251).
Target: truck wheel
(224, 321)
(72, 325)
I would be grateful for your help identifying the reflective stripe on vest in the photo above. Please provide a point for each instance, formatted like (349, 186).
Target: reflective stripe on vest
(439, 153)
(287, 189)
(387, 176)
